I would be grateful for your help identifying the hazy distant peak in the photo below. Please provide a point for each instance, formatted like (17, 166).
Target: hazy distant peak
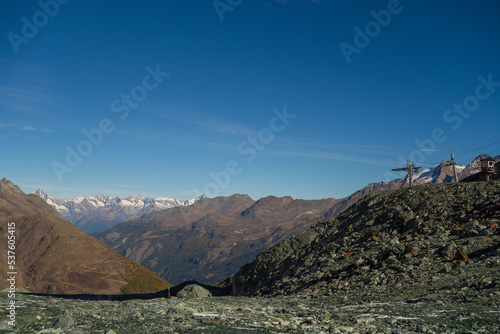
(240, 197)
(136, 198)
(41, 193)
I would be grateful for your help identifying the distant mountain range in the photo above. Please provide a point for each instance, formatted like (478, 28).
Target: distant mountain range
(98, 213)
(214, 237)
(53, 256)
(211, 239)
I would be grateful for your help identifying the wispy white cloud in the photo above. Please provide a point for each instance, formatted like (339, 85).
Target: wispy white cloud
(27, 88)
(287, 1)
(13, 130)
(7, 125)
(178, 139)
(324, 155)
(368, 149)
(30, 128)
(30, 92)
(210, 124)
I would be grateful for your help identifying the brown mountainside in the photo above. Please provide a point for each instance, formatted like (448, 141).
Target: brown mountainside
(214, 237)
(53, 256)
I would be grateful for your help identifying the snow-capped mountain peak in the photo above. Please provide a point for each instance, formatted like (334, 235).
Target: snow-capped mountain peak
(100, 212)
(442, 173)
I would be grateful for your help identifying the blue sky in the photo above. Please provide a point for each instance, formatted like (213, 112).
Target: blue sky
(311, 99)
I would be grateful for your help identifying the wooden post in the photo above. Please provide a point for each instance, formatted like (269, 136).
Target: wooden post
(410, 167)
(453, 163)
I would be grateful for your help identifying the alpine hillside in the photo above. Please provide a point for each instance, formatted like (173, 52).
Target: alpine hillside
(53, 256)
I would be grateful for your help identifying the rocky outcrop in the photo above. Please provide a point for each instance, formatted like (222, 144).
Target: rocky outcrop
(193, 291)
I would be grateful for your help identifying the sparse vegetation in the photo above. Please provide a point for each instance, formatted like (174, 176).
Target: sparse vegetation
(141, 281)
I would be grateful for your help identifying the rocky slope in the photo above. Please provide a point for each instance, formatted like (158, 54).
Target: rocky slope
(214, 237)
(98, 213)
(443, 238)
(53, 256)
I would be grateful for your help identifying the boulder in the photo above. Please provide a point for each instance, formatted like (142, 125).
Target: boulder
(193, 291)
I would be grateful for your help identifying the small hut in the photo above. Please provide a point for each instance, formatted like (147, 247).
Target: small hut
(488, 166)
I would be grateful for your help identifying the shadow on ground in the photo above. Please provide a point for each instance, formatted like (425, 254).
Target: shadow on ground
(172, 292)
